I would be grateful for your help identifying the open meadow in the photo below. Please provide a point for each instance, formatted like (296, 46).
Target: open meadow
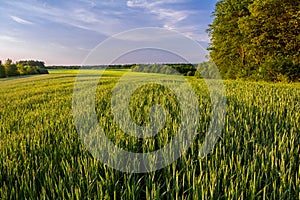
(42, 156)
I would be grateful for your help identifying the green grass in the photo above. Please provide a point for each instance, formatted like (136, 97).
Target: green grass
(42, 157)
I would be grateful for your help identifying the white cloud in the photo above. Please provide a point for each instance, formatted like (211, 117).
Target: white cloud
(84, 16)
(170, 16)
(149, 4)
(21, 21)
(136, 3)
(197, 36)
(76, 14)
(192, 31)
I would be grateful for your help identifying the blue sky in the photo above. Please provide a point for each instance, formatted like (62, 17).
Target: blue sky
(65, 31)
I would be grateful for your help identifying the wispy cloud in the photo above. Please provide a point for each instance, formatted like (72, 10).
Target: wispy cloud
(21, 21)
(163, 12)
(7, 38)
(91, 3)
(83, 14)
(79, 25)
(57, 45)
(147, 3)
(172, 17)
(108, 17)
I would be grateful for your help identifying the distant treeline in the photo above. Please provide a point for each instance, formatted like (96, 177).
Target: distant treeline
(179, 68)
(204, 69)
(26, 67)
(125, 66)
(62, 67)
(256, 39)
(175, 69)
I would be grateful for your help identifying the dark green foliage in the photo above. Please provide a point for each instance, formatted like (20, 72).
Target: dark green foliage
(226, 47)
(22, 68)
(63, 67)
(10, 68)
(42, 71)
(279, 69)
(30, 67)
(2, 71)
(31, 70)
(155, 68)
(257, 39)
(125, 66)
(39, 64)
(182, 68)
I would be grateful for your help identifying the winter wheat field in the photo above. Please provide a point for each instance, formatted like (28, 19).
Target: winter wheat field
(42, 156)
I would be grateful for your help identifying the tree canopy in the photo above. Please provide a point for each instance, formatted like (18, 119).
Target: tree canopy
(21, 68)
(10, 68)
(256, 39)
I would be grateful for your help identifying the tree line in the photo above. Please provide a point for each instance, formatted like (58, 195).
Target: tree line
(175, 69)
(124, 66)
(256, 39)
(26, 67)
(205, 69)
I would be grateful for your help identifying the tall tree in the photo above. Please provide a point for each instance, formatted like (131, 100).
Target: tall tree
(10, 68)
(273, 30)
(257, 38)
(227, 50)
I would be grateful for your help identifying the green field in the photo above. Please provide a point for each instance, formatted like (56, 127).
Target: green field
(42, 156)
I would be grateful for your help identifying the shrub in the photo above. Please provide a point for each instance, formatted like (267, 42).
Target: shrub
(280, 69)
(31, 70)
(198, 74)
(42, 71)
(190, 73)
